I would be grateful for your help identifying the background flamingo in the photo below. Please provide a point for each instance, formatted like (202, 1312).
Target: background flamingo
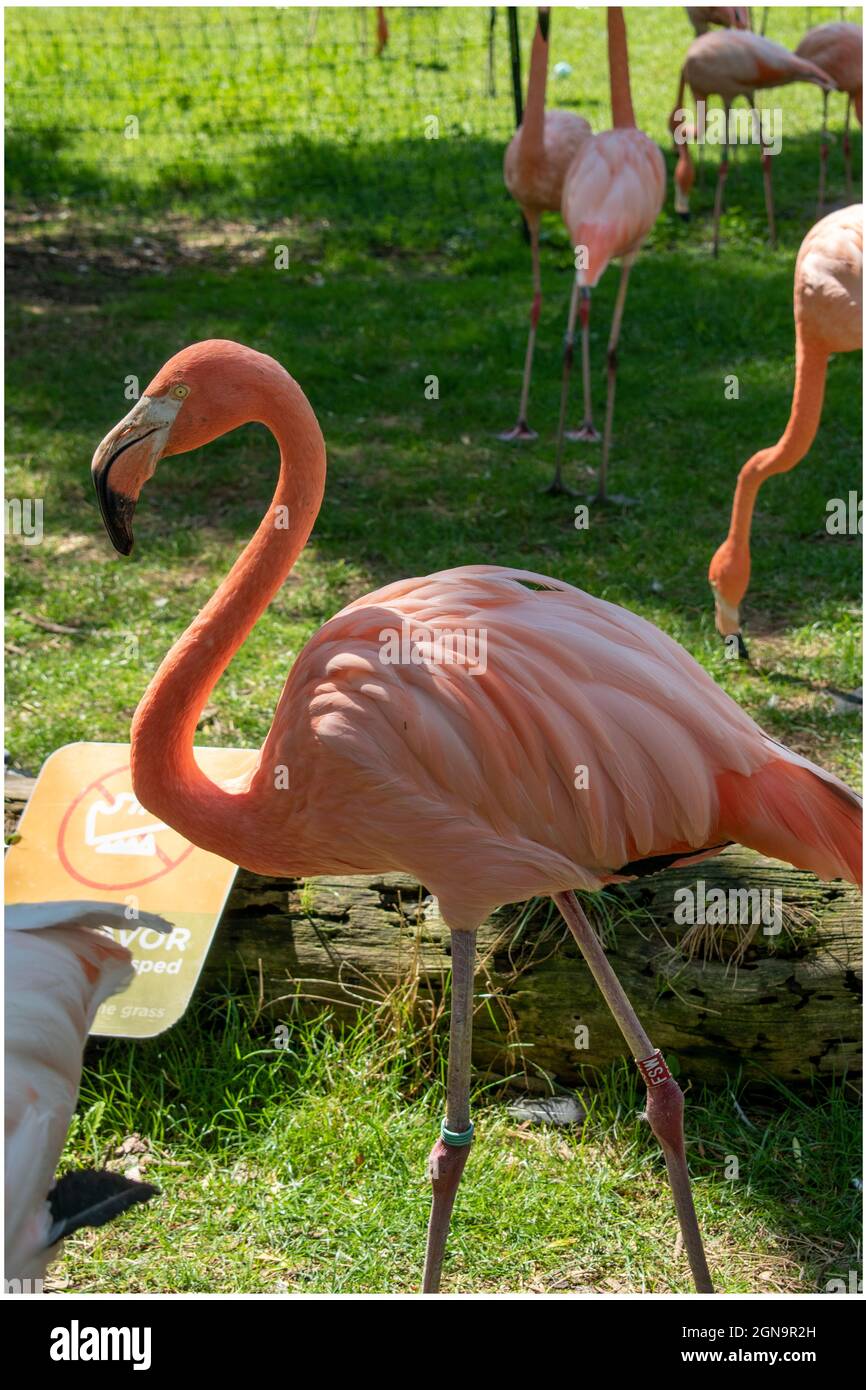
(460, 773)
(58, 971)
(728, 16)
(536, 162)
(828, 291)
(612, 195)
(729, 64)
(838, 50)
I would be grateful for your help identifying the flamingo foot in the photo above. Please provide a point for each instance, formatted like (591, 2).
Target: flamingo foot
(557, 488)
(518, 434)
(587, 434)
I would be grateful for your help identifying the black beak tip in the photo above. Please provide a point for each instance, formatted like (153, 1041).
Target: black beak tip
(742, 649)
(117, 512)
(684, 216)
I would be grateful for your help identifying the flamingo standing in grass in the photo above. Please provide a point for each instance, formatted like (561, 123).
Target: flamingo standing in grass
(436, 727)
(536, 162)
(837, 49)
(732, 63)
(612, 195)
(828, 292)
(59, 968)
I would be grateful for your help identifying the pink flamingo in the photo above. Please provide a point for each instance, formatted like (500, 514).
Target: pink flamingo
(728, 16)
(732, 63)
(437, 726)
(536, 161)
(59, 968)
(612, 195)
(838, 50)
(828, 292)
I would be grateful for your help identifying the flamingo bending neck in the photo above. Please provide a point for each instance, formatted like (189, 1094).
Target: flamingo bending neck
(731, 564)
(166, 777)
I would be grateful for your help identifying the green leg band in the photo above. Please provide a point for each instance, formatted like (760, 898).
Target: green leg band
(457, 1139)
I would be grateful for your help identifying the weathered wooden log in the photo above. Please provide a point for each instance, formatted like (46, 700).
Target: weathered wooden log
(716, 998)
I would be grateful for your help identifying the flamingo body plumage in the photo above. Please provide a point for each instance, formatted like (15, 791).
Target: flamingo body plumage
(612, 195)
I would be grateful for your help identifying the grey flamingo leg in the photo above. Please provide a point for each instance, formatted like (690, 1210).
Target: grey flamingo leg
(612, 363)
(587, 433)
(664, 1097)
(767, 163)
(846, 149)
(557, 485)
(825, 152)
(521, 430)
(450, 1152)
(720, 184)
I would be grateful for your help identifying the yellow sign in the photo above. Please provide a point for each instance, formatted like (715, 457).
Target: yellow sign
(84, 835)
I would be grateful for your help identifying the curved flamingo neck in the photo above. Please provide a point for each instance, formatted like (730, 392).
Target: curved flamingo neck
(802, 426)
(166, 777)
(617, 58)
(532, 137)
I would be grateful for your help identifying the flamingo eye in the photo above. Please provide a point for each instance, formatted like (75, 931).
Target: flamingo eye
(179, 392)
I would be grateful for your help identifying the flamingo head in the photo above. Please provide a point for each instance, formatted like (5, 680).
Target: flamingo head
(201, 393)
(729, 580)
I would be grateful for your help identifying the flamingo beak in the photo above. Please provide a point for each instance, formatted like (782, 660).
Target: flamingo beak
(124, 461)
(728, 623)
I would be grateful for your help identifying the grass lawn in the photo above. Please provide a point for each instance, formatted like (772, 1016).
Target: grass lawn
(406, 261)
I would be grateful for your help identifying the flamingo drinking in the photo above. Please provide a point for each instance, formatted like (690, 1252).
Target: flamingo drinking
(828, 318)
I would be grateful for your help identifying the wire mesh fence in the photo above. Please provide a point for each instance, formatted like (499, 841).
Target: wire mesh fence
(260, 110)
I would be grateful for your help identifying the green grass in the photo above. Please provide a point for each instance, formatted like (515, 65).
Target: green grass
(406, 261)
(303, 1171)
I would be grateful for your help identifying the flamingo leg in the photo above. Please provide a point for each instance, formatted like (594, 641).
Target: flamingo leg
(720, 185)
(521, 430)
(557, 485)
(612, 363)
(587, 433)
(846, 148)
(664, 1097)
(767, 162)
(825, 151)
(450, 1152)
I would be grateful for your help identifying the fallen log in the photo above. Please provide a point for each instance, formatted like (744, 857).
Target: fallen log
(779, 998)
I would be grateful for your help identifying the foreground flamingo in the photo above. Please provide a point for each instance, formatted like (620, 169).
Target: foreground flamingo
(838, 50)
(495, 733)
(729, 64)
(536, 162)
(612, 195)
(828, 292)
(59, 968)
